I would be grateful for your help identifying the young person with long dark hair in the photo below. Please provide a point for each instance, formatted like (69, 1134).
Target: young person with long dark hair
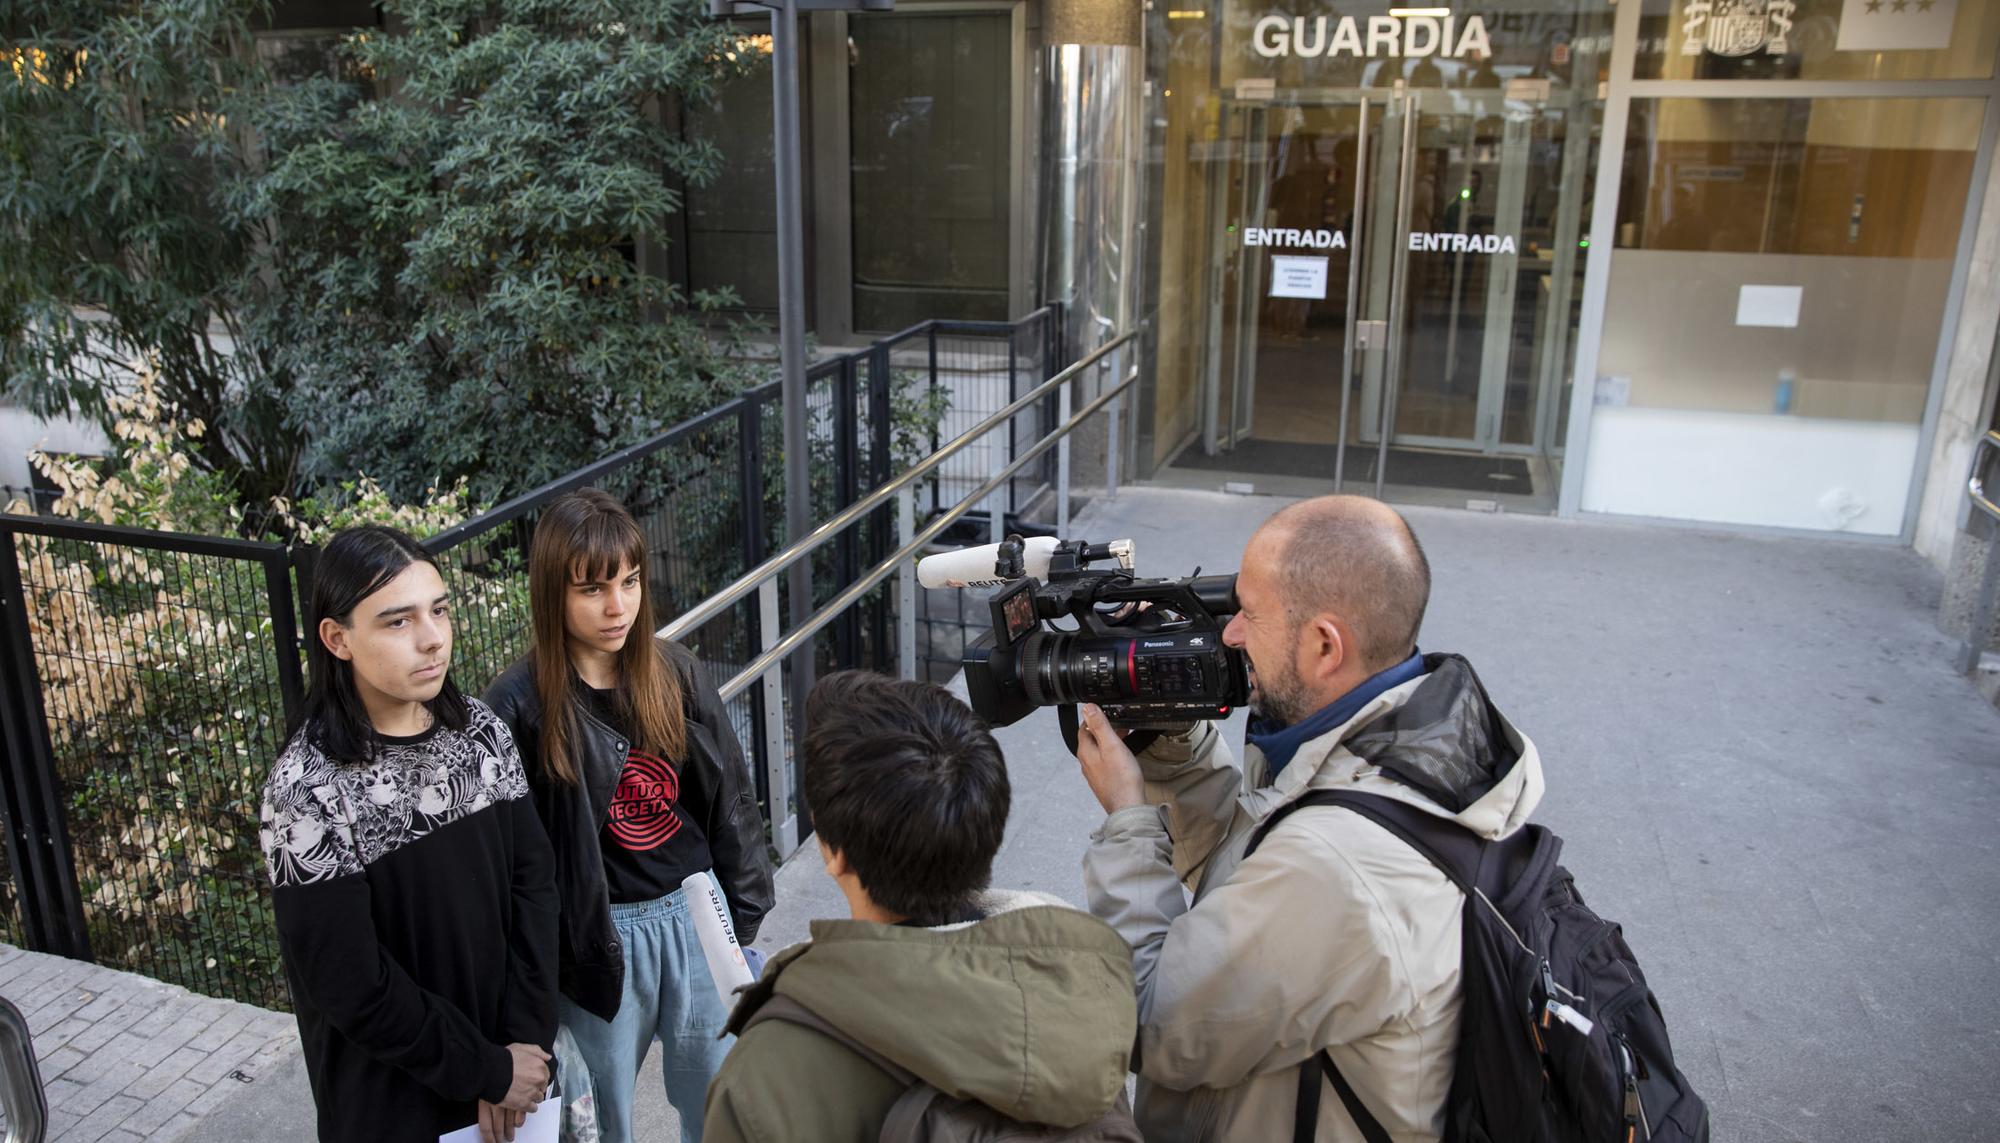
(413, 886)
(640, 782)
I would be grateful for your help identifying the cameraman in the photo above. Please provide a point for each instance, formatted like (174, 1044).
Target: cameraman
(1334, 934)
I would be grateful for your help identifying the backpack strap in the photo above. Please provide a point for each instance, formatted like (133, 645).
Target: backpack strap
(1453, 849)
(1456, 853)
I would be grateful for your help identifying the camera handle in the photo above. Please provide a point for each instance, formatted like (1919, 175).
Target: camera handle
(1070, 720)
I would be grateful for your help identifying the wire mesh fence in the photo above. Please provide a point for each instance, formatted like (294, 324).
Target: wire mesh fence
(166, 669)
(147, 679)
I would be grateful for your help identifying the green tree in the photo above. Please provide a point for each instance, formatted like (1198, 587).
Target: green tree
(120, 127)
(454, 292)
(418, 267)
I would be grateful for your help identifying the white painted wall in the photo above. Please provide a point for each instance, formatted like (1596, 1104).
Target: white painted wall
(1750, 468)
(21, 431)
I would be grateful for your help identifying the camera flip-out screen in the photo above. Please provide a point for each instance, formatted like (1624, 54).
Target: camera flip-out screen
(1017, 606)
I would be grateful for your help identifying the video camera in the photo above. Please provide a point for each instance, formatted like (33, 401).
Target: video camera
(1148, 651)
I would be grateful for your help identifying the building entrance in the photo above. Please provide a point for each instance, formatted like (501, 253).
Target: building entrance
(1394, 285)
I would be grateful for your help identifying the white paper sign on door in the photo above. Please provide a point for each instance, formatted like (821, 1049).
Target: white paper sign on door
(1296, 277)
(1895, 25)
(1775, 307)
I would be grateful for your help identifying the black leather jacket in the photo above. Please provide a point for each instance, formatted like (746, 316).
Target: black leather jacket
(592, 962)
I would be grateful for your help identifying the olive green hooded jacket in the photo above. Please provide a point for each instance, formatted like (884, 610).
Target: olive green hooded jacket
(1030, 1011)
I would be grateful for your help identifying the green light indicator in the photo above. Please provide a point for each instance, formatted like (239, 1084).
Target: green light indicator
(1583, 244)
(1465, 192)
(1231, 229)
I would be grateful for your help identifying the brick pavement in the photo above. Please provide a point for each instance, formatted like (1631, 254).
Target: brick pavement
(124, 1058)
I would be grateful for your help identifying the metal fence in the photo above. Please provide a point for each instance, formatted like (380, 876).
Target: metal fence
(146, 680)
(148, 677)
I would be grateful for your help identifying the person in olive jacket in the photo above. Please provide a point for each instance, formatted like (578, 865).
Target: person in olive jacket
(639, 781)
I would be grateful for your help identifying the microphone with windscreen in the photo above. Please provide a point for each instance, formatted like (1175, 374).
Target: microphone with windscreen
(989, 565)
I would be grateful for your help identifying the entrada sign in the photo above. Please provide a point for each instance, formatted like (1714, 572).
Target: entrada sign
(1420, 242)
(1405, 36)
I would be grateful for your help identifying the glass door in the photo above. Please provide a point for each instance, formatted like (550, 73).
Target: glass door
(1476, 273)
(1282, 189)
(1392, 290)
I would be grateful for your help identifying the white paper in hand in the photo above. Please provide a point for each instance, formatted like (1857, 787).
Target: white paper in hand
(544, 1125)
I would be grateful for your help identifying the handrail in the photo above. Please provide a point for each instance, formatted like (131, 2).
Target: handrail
(92, 532)
(831, 609)
(584, 477)
(1987, 600)
(715, 605)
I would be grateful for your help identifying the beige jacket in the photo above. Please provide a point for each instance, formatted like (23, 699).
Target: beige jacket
(1333, 934)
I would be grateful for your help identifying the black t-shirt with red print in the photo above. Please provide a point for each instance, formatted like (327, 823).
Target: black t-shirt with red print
(651, 837)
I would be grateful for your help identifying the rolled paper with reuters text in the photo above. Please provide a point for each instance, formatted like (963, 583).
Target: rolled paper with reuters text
(718, 936)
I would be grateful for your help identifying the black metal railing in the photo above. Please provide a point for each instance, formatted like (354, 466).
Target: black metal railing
(147, 678)
(146, 681)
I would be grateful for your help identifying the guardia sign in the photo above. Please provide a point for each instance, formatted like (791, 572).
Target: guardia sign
(1409, 37)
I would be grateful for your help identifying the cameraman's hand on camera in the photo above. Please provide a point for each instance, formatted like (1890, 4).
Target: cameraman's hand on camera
(1107, 763)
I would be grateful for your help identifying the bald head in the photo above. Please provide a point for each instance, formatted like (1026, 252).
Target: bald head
(1358, 559)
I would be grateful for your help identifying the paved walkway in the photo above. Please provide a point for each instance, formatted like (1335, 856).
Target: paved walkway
(124, 1058)
(1759, 759)
(1756, 752)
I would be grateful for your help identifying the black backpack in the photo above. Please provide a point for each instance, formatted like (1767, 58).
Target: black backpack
(1560, 1040)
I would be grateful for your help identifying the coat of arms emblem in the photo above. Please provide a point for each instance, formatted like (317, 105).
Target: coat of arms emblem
(1736, 28)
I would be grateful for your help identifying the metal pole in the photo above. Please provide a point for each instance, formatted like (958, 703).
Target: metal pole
(1399, 284)
(1111, 449)
(1347, 357)
(792, 335)
(1062, 463)
(906, 586)
(1980, 624)
(777, 767)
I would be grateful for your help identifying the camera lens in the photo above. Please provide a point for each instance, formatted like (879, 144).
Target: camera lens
(1059, 667)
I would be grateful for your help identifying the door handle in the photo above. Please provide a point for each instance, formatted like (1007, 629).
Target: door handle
(1371, 334)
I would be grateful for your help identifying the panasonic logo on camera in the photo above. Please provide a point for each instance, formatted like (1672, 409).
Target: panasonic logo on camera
(1151, 644)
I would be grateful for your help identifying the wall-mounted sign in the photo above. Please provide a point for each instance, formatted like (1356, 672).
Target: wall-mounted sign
(1889, 26)
(1528, 90)
(1386, 36)
(1461, 243)
(1258, 87)
(1774, 307)
(1737, 27)
(1293, 276)
(1304, 239)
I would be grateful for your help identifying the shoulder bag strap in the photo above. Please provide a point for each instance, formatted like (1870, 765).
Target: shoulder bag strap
(1455, 852)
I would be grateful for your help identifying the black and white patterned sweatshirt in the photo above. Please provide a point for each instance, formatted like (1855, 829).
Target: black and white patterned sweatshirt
(417, 911)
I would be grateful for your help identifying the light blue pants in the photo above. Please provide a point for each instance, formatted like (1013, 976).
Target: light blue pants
(670, 995)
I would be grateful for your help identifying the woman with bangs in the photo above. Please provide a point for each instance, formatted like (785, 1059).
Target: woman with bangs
(639, 781)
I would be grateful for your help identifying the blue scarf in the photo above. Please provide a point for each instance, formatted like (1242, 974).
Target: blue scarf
(1278, 742)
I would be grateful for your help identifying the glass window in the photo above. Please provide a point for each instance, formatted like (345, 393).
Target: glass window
(1818, 39)
(732, 221)
(1774, 305)
(930, 101)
